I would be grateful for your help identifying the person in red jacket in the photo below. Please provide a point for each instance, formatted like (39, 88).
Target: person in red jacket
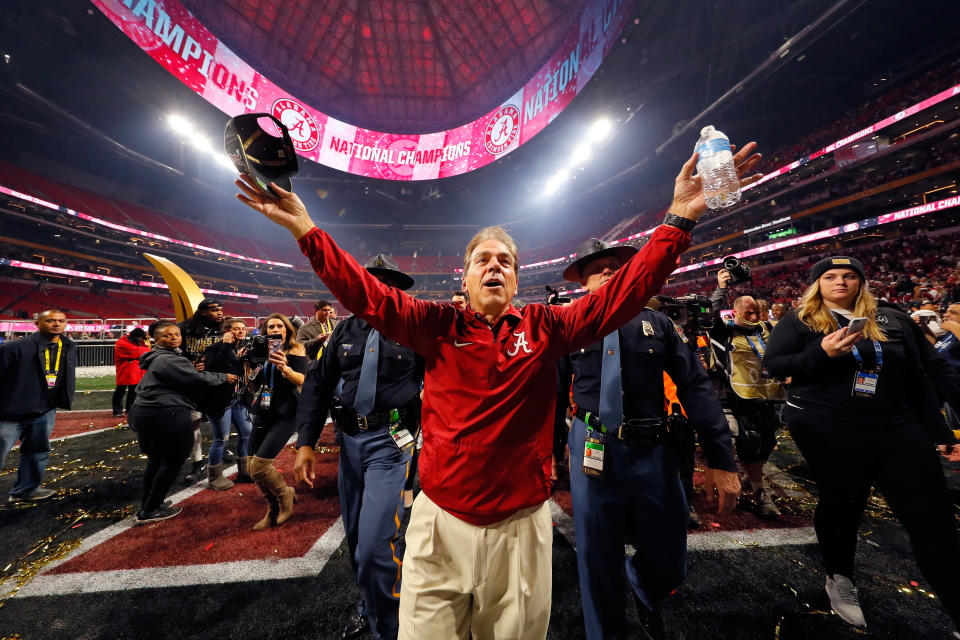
(126, 359)
(480, 539)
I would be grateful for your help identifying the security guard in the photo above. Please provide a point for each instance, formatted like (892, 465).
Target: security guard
(623, 474)
(377, 421)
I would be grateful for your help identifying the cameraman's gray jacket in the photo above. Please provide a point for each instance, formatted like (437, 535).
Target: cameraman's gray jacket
(172, 381)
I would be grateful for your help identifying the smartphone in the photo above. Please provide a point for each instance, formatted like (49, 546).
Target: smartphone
(857, 324)
(275, 344)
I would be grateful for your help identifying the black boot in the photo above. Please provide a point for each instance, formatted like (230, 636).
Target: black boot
(242, 473)
(357, 625)
(196, 473)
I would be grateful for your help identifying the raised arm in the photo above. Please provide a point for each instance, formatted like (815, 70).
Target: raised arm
(393, 313)
(624, 296)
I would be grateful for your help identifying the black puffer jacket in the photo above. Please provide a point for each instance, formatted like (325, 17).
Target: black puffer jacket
(172, 381)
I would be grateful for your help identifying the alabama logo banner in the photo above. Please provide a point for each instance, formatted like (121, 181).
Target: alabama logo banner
(176, 39)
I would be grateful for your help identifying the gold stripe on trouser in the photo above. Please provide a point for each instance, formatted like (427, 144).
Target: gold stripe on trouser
(493, 580)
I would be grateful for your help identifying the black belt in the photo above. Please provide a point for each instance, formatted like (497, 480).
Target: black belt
(350, 420)
(633, 431)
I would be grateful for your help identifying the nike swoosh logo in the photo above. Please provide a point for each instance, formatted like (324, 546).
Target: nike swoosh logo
(457, 343)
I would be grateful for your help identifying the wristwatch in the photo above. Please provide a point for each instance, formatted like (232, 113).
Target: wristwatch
(684, 224)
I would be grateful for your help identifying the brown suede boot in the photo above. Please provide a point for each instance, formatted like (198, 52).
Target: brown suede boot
(243, 473)
(215, 479)
(258, 471)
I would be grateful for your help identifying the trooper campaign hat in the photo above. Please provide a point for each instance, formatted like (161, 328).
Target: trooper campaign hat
(381, 265)
(591, 250)
(256, 151)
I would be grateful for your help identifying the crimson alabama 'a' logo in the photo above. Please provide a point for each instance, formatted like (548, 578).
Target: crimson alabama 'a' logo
(303, 128)
(502, 129)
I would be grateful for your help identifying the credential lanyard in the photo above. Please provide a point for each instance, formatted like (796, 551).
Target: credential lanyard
(876, 349)
(763, 346)
(46, 361)
(272, 368)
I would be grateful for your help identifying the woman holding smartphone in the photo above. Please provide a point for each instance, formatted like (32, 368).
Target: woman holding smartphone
(274, 377)
(863, 412)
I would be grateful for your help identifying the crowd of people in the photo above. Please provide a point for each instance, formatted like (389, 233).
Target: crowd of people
(491, 400)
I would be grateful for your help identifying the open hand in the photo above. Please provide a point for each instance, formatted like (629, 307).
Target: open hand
(688, 199)
(303, 466)
(727, 484)
(287, 210)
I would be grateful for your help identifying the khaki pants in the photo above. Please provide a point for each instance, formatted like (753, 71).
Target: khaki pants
(494, 580)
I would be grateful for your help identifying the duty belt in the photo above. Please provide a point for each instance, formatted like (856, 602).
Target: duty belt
(633, 431)
(350, 419)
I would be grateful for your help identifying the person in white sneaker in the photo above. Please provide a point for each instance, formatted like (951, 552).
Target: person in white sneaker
(863, 412)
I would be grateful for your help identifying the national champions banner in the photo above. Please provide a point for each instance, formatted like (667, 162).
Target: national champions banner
(172, 36)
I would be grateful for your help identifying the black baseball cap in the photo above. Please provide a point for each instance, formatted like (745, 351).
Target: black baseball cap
(259, 153)
(206, 303)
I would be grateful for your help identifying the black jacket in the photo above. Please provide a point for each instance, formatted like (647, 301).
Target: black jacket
(904, 389)
(170, 380)
(23, 384)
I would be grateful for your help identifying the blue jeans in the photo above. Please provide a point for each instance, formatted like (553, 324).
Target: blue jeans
(34, 449)
(221, 431)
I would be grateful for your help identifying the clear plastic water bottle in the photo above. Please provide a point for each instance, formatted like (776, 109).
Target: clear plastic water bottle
(721, 186)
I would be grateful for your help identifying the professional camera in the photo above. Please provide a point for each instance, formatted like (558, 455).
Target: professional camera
(693, 313)
(554, 297)
(260, 347)
(739, 272)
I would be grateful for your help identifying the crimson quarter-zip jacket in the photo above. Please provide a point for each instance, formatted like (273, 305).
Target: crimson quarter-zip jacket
(489, 391)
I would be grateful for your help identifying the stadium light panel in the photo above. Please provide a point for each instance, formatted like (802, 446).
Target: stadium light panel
(200, 143)
(556, 181)
(224, 161)
(179, 124)
(600, 130)
(581, 154)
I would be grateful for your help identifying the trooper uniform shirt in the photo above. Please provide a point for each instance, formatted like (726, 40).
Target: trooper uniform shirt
(650, 345)
(398, 382)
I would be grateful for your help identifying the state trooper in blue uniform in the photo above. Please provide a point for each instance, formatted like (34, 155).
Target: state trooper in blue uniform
(377, 416)
(623, 467)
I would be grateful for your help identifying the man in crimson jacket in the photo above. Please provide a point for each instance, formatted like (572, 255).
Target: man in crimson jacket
(479, 542)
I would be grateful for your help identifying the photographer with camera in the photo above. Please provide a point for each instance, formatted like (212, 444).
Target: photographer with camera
(378, 421)
(227, 357)
(624, 479)
(199, 332)
(275, 366)
(746, 389)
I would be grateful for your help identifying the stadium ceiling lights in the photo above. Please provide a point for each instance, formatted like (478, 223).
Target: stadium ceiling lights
(598, 133)
(554, 184)
(188, 133)
(180, 125)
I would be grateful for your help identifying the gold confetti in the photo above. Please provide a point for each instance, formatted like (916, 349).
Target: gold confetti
(27, 571)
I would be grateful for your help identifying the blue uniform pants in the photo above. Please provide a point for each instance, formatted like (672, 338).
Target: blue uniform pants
(371, 478)
(639, 500)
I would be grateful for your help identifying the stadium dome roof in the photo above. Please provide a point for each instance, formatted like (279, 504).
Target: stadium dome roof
(412, 66)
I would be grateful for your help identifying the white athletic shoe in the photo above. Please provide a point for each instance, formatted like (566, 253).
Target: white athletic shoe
(844, 600)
